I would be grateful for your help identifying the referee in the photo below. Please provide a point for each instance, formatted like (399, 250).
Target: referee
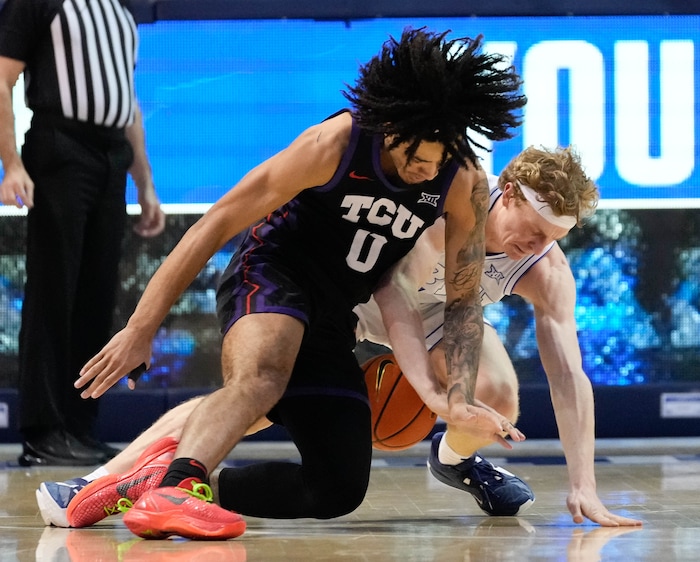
(78, 59)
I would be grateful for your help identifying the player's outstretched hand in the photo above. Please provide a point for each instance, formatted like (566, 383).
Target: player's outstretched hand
(585, 503)
(125, 352)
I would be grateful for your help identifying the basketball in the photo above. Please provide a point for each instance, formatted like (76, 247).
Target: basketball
(399, 417)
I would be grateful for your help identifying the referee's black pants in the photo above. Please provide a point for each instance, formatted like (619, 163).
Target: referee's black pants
(74, 237)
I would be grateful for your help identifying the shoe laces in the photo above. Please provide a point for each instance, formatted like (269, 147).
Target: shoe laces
(122, 506)
(200, 490)
(491, 474)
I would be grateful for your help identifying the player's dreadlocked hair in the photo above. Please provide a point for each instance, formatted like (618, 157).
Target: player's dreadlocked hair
(427, 88)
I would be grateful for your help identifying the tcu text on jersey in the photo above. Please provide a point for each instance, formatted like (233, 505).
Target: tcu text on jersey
(366, 246)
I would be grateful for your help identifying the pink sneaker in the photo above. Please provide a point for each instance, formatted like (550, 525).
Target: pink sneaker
(115, 493)
(185, 511)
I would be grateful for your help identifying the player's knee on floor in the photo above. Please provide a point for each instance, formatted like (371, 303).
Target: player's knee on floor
(339, 498)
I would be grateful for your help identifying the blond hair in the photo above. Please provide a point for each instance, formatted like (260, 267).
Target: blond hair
(558, 178)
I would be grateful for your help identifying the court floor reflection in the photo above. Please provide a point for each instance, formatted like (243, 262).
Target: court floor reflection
(407, 515)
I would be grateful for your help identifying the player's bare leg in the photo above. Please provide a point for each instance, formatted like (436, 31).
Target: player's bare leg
(169, 424)
(454, 459)
(54, 498)
(496, 386)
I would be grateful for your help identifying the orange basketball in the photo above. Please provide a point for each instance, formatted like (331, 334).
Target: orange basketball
(399, 417)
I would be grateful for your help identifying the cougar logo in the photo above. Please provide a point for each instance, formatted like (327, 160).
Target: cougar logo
(494, 274)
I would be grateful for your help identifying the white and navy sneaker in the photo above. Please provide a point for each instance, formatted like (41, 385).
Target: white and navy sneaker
(53, 499)
(496, 491)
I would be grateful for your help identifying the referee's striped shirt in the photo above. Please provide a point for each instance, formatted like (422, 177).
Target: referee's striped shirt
(79, 55)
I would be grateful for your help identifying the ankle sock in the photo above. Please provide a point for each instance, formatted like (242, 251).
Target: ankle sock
(95, 474)
(447, 455)
(182, 469)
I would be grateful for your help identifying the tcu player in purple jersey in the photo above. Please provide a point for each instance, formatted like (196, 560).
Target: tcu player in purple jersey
(326, 218)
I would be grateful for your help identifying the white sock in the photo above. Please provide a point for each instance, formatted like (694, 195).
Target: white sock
(97, 473)
(447, 455)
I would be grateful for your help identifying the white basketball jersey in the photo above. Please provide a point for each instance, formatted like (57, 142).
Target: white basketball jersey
(498, 279)
(500, 274)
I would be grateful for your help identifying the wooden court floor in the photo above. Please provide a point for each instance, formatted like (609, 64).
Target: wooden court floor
(407, 515)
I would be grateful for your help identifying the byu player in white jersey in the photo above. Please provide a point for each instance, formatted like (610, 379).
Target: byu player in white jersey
(535, 201)
(498, 279)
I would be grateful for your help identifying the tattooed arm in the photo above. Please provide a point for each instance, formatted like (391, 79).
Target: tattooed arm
(466, 210)
(465, 234)
(397, 299)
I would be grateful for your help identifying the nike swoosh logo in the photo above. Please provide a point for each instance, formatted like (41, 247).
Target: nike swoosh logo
(174, 499)
(124, 487)
(380, 375)
(355, 176)
(197, 464)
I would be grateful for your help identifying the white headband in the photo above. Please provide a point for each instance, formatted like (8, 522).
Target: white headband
(544, 210)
